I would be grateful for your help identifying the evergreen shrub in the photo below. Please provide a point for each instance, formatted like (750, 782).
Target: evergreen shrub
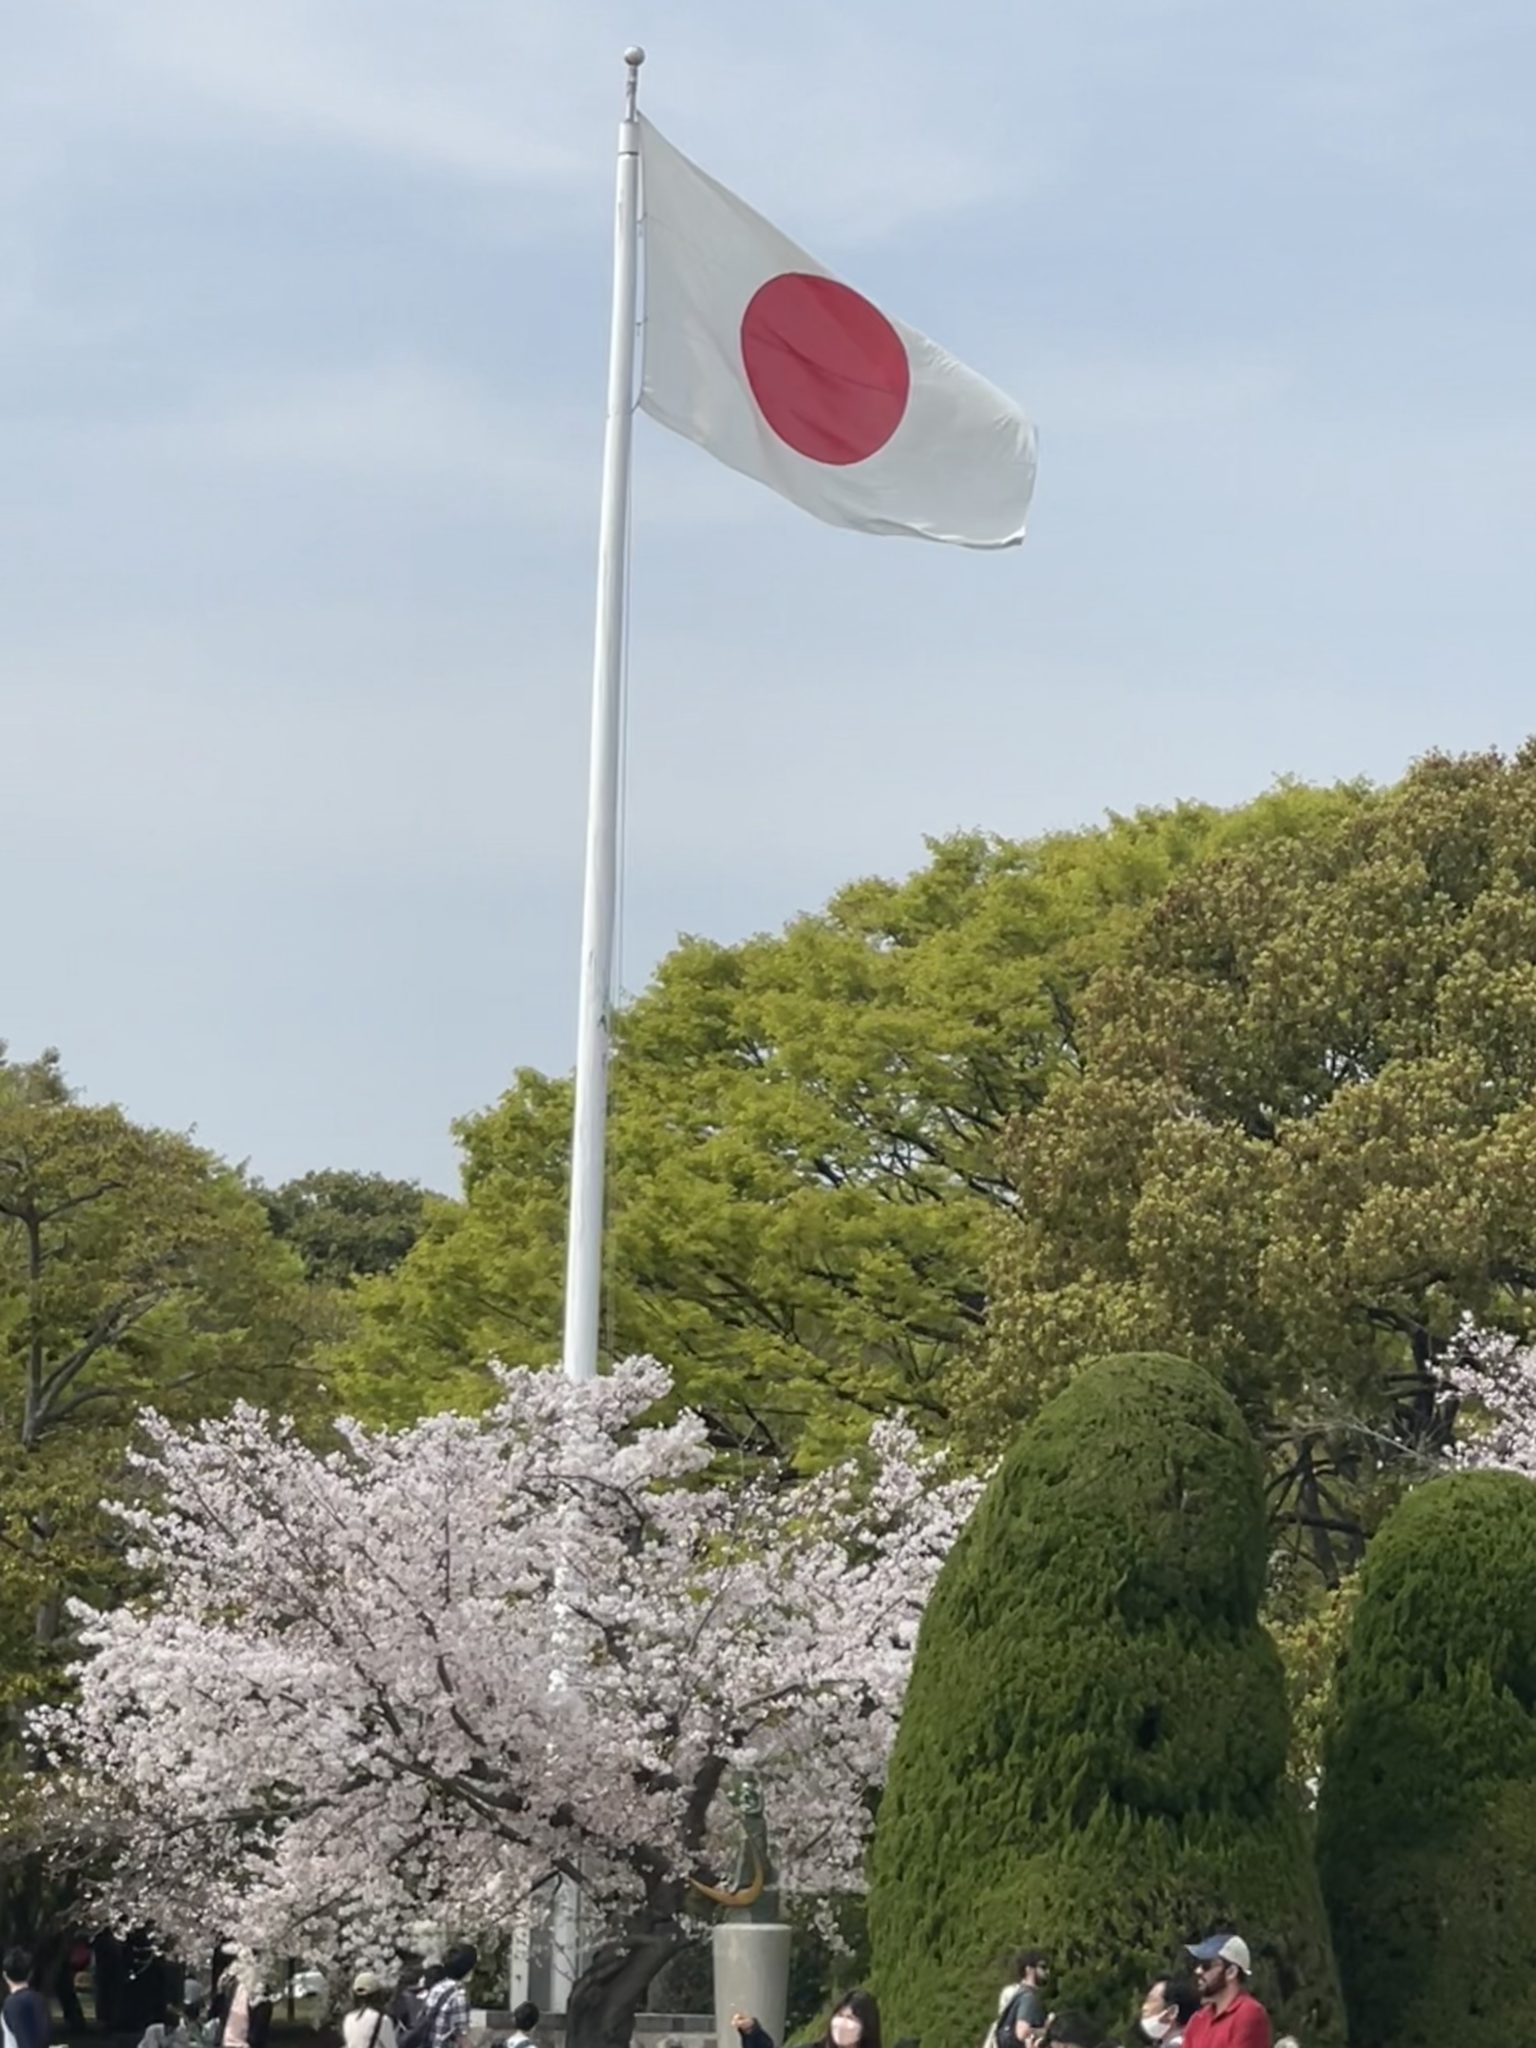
(1091, 1757)
(1427, 1813)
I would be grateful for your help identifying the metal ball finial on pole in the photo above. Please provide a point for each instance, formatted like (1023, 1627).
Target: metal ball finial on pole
(634, 57)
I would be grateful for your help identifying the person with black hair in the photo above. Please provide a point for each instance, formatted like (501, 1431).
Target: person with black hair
(447, 2011)
(1170, 2004)
(409, 2008)
(1070, 2030)
(855, 2023)
(525, 2018)
(409, 2000)
(24, 2018)
(1022, 2013)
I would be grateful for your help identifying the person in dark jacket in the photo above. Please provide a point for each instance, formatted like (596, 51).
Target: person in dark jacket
(855, 2023)
(24, 2017)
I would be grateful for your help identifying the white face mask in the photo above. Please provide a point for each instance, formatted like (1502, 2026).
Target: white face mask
(1156, 2030)
(847, 2032)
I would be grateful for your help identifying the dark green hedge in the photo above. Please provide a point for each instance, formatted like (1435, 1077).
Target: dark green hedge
(1427, 1816)
(1092, 1752)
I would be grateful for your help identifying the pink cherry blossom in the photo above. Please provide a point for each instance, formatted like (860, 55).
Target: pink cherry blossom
(1498, 1374)
(410, 1678)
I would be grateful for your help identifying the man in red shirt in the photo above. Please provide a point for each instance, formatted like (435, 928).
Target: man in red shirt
(1229, 2016)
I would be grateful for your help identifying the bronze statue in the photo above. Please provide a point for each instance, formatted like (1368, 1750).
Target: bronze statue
(752, 1894)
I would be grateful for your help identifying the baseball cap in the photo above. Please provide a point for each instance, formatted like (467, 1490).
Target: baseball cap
(367, 1984)
(1222, 1948)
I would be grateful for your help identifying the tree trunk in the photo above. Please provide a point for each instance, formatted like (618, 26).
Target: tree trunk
(32, 1404)
(606, 1996)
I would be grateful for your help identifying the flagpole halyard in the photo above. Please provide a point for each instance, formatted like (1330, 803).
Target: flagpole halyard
(584, 1248)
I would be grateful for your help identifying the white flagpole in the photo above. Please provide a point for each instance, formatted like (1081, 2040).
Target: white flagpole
(584, 1248)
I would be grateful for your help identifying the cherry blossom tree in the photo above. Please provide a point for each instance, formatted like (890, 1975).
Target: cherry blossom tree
(1497, 1372)
(422, 1674)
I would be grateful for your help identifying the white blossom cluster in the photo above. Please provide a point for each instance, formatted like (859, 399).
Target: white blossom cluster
(1497, 1372)
(418, 1674)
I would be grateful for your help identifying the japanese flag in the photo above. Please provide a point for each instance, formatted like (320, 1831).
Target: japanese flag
(753, 351)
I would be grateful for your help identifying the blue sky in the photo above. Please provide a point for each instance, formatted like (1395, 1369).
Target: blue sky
(302, 324)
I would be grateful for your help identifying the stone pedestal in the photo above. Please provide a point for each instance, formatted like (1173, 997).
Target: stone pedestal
(751, 1976)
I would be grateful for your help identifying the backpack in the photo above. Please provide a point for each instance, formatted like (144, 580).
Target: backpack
(993, 2037)
(416, 2031)
(1003, 2035)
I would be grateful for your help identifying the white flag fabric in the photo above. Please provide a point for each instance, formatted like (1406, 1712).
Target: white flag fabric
(752, 350)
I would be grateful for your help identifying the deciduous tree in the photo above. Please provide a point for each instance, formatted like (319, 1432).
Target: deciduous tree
(345, 1225)
(804, 1142)
(134, 1266)
(420, 1675)
(1297, 1141)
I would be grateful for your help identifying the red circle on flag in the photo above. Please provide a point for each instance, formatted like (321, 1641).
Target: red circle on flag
(829, 372)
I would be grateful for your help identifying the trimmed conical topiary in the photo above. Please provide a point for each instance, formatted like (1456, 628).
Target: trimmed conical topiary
(1092, 1754)
(1427, 1817)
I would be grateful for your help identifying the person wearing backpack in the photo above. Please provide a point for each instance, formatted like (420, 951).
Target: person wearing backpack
(1022, 2014)
(368, 2025)
(444, 2020)
(408, 2008)
(1021, 2010)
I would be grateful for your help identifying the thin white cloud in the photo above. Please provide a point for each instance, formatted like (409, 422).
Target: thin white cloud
(1389, 75)
(440, 89)
(1098, 392)
(404, 424)
(406, 431)
(408, 426)
(852, 132)
(204, 756)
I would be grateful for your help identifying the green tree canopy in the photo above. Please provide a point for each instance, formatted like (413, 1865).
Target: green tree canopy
(135, 1269)
(1296, 1137)
(1092, 1752)
(346, 1225)
(1427, 1815)
(803, 1140)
